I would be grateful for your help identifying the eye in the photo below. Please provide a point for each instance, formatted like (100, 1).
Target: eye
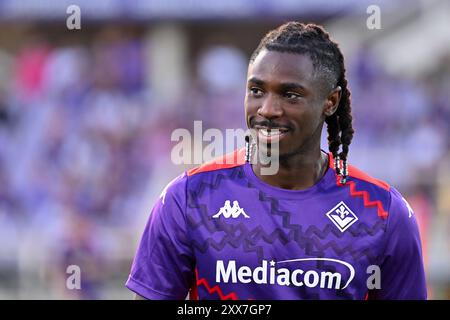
(255, 92)
(292, 96)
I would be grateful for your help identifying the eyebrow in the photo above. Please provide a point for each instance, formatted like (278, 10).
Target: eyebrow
(284, 86)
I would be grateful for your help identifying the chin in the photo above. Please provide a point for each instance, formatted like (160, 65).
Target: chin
(268, 152)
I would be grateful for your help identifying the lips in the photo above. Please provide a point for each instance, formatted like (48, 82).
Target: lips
(271, 134)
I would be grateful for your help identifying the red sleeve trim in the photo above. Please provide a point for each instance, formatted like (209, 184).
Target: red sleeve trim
(356, 173)
(230, 160)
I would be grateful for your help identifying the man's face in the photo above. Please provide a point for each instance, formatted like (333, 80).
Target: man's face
(282, 93)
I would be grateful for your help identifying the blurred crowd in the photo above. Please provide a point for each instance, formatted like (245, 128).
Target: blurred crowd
(83, 143)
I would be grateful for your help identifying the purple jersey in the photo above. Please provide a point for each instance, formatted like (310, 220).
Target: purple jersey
(219, 232)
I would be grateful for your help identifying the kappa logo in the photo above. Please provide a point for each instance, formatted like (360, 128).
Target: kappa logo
(229, 211)
(342, 216)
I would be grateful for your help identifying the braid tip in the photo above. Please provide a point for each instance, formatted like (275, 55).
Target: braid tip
(248, 148)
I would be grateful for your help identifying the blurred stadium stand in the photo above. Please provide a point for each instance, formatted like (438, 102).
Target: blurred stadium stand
(86, 118)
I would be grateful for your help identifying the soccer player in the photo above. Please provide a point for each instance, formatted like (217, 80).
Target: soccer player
(317, 229)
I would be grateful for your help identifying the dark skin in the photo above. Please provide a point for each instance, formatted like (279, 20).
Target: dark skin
(283, 91)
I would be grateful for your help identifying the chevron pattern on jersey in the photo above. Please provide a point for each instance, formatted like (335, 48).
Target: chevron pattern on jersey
(238, 235)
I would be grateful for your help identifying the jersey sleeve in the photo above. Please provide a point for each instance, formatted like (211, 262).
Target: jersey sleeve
(163, 267)
(402, 270)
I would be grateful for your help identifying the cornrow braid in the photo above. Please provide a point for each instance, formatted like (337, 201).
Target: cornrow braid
(328, 62)
(344, 114)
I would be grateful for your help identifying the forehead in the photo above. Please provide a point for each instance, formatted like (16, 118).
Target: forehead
(276, 67)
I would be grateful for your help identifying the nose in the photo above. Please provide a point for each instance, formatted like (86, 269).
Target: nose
(270, 108)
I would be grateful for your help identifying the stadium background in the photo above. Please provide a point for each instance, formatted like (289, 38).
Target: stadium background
(86, 118)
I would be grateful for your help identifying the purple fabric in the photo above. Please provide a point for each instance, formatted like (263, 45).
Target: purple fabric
(281, 245)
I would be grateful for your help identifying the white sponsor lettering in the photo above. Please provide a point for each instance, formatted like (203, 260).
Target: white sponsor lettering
(268, 273)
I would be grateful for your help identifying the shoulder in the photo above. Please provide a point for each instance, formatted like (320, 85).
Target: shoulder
(178, 187)
(227, 161)
(358, 174)
(401, 213)
(175, 189)
(374, 192)
(362, 176)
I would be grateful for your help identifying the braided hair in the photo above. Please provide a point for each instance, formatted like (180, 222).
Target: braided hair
(328, 62)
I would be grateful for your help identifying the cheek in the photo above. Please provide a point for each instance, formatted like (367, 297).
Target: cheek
(248, 110)
(250, 106)
(304, 118)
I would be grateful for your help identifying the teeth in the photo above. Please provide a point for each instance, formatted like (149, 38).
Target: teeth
(270, 133)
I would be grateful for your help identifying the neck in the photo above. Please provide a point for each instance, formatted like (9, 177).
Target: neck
(297, 172)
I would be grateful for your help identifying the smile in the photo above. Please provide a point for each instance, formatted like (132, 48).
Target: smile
(271, 134)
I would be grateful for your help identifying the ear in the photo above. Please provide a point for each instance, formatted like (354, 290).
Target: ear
(332, 101)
